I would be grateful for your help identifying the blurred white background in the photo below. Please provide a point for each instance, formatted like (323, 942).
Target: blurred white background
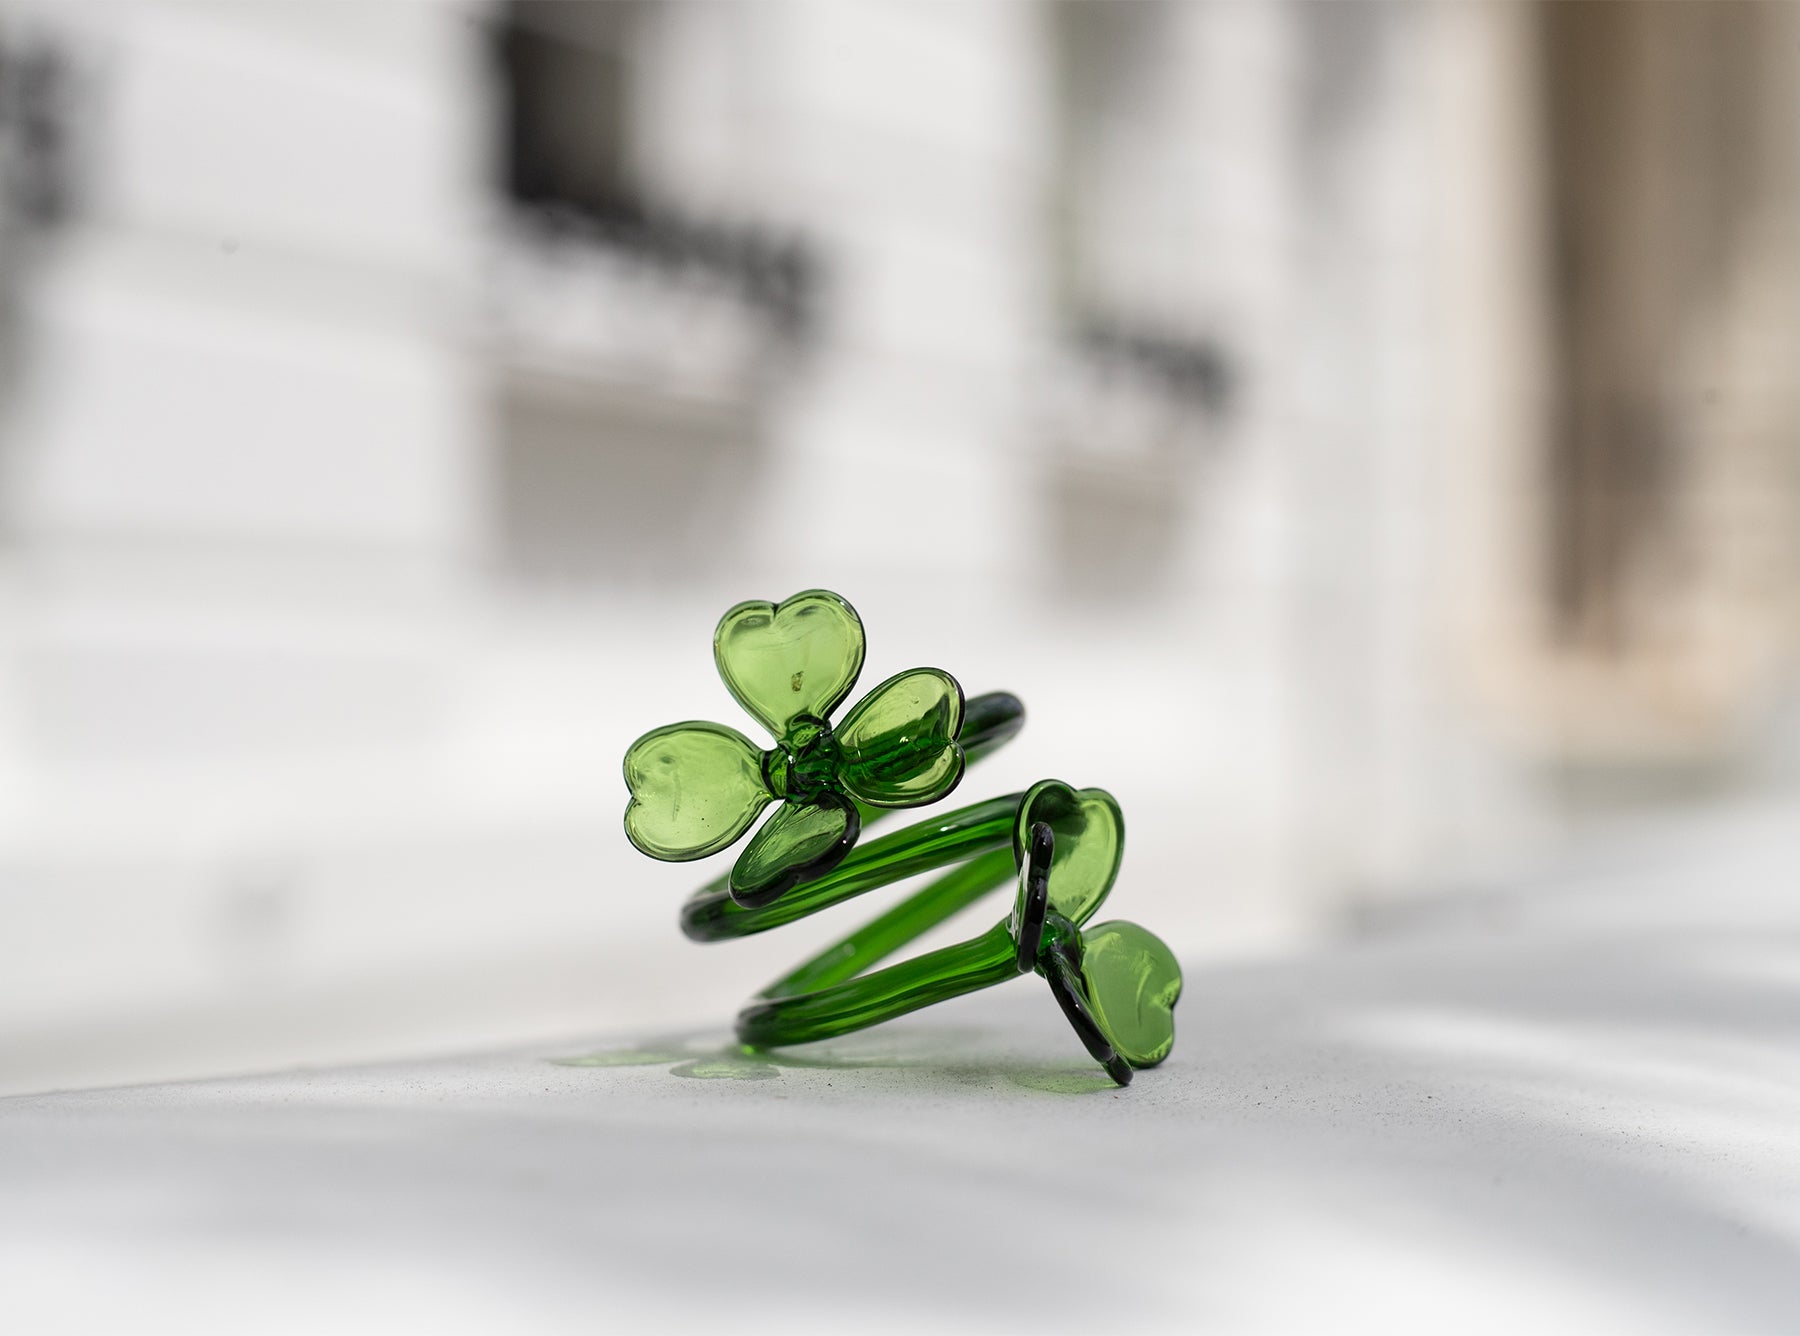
(1364, 434)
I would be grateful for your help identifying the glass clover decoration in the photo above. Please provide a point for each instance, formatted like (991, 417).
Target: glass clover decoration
(696, 787)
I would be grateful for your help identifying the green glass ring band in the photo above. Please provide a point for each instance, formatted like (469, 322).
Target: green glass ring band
(991, 845)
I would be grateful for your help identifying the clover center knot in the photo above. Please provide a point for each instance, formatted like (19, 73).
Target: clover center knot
(804, 762)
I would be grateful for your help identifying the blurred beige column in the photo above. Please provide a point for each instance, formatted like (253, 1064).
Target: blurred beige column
(1672, 508)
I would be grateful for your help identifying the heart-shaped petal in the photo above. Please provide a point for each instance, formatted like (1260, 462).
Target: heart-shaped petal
(1132, 983)
(798, 657)
(1089, 830)
(897, 747)
(695, 788)
(802, 840)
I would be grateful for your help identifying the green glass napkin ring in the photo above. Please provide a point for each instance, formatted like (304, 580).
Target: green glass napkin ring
(697, 787)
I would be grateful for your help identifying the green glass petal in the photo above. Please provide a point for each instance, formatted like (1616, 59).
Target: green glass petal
(1090, 842)
(1132, 982)
(800, 841)
(695, 787)
(897, 747)
(798, 657)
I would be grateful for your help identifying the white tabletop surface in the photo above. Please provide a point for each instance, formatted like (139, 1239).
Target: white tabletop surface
(1569, 1104)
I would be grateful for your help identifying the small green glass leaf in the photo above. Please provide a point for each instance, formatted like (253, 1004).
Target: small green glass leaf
(897, 747)
(799, 657)
(695, 787)
(1132, 983)
(1089, 830)
(802, 840)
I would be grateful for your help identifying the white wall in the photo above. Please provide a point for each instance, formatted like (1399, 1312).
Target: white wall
(303, 770)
